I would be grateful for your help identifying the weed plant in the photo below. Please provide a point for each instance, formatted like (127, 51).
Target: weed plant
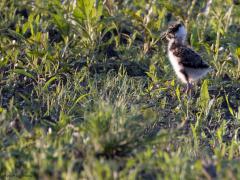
(87, 91)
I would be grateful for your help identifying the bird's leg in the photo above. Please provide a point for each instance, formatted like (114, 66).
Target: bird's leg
(185, 89)
(189, 88)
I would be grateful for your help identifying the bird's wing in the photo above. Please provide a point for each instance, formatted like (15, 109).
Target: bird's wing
(189, 58)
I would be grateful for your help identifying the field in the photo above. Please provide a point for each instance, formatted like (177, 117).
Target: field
(87, 91)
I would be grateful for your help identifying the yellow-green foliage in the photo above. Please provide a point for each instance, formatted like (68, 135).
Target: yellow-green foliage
(87, 91)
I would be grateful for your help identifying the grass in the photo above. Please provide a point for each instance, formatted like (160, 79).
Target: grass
(87, 91)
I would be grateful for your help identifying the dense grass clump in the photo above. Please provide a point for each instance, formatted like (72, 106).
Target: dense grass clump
(87, 92)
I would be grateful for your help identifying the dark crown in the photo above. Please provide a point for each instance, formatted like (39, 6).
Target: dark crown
(174, 28)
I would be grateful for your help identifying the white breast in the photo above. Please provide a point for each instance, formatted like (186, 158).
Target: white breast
(176, 66)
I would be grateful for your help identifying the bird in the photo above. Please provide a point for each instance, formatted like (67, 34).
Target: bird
(187, 63)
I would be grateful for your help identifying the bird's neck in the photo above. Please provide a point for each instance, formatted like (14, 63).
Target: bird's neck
(175, 42)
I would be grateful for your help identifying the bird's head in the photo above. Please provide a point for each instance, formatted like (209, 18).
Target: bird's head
(175, 31)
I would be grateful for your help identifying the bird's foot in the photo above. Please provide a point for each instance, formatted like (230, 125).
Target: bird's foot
(188, 88)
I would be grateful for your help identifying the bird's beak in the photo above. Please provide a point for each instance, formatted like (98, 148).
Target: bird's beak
(164, 36)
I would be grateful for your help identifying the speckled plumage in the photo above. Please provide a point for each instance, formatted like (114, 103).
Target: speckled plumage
(187, 64)
(187, 56)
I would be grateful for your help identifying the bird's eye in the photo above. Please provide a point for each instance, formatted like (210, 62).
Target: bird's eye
(171, 30)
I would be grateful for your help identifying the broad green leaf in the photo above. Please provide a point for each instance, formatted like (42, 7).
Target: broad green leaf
(3, 62)
(16, 34)
(25, 27)
(204, 96)
(178, 94)
(10, 165)
(238, 114)
(78, 100)
(61, 23)
(24, 72)
(229, 106)
(45, 87)
(238, 52)
(63, 120)
(86, 10)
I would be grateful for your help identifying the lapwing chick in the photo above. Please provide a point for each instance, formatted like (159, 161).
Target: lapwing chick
(187, 64)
